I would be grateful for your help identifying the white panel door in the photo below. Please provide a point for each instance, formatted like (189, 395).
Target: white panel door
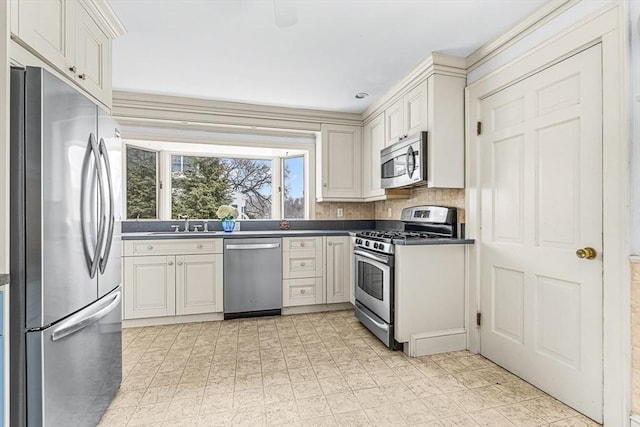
(198, 284)
(415, 109)
(394, 122)
(91, 54)
(541, 179)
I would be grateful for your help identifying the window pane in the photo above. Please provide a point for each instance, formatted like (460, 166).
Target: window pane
(141, 183)
(251, 184)
(202, 184)
(293, 197)
(198, 187)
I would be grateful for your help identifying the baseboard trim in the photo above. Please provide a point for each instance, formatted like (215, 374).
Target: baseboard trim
(316, 308)
(212, 317)
(437, 342)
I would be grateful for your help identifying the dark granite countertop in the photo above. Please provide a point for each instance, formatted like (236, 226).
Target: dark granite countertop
(421, 242)
(4, 279)
(232, 235)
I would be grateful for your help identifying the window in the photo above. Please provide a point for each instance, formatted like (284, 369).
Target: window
(200, 184)
(293, 200)
(142, 188)
(167, 179)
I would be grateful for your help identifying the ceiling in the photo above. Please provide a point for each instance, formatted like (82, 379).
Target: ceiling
(234, 50)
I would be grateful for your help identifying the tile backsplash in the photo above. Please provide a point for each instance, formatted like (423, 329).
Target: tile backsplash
(329, 210)
(450, 197)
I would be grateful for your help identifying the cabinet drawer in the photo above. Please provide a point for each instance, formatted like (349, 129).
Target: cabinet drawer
(302, 243)
(301, 264)
(172, 247)
(302, 292)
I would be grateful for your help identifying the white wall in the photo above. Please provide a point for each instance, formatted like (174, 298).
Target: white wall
(634, 65)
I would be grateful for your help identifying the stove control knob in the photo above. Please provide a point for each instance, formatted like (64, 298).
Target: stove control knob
(381, 246)
(375, 246)
(358, 241)
(366, 243)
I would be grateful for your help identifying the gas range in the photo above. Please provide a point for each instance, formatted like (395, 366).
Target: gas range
(375, 259)
(420, 223)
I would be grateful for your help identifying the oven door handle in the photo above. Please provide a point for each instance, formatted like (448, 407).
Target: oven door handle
(369, 255)
(382, 326)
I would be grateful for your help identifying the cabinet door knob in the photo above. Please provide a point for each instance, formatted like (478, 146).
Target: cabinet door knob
(82, 76)
(324, 185)
(179, 262)
(73, 69)
(303, 291)
(302, 244)
(200, 246)
(149, 247)
(302, 264)
(170, 263)
(330, 243)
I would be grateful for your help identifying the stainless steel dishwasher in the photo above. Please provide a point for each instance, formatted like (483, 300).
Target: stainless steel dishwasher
(252, 277)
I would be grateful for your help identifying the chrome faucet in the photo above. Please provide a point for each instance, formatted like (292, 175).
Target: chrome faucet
(186, 221)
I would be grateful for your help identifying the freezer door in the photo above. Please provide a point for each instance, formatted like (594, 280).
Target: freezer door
(62, 190)
(110, 149)
(74, 368)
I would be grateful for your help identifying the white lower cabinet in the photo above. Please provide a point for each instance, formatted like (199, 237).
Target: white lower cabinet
(338, 272)
(149, 286)
(198, 284)
(172, 282)
(316, 270)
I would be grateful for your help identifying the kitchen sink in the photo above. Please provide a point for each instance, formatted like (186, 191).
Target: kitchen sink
(183, 234)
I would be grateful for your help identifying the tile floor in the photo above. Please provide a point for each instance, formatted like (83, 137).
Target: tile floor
(320, 369)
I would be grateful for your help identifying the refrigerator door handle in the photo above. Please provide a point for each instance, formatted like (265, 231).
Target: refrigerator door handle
(112, 214)
(81, 320)
(90, 258)
(101, 207)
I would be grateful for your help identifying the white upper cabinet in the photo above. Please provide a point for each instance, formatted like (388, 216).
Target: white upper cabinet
(340, 168)
(429, 100)
(408, 115)
(72, 36)
(394, 121)
(92, 59)
(42, 25)
(373, 141)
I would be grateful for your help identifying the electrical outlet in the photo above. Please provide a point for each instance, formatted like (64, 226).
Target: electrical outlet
(389, 212)
(340, 212)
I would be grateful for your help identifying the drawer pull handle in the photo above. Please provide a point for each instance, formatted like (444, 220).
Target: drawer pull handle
(302, 244)
(199, 246)
(179, 262)
(303, 291)
(170, 263)
(302, 264)
(149, 247)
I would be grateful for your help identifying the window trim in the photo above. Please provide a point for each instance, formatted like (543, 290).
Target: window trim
(306, 186)
(125, 200)
(163, 175)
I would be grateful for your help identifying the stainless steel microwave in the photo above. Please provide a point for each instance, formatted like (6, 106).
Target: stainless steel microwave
(404, 164)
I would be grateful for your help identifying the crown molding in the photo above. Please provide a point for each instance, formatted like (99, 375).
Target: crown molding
(436, 63)
(152, 109)
(106, 17)
(544, 14)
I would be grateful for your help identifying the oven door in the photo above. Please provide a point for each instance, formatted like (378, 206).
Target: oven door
(374, 282)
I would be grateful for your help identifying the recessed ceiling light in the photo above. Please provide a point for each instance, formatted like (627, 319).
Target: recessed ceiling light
(361, 95)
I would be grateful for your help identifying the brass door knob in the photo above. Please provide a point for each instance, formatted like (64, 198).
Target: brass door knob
(586, 253)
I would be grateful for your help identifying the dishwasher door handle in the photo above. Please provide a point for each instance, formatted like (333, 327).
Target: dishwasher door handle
(253, 246)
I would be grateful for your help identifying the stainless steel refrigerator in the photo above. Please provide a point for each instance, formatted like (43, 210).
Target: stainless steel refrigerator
(65, 314)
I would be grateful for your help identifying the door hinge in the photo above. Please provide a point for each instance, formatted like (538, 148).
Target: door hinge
(478, 319)
(160, 184)
(479, 128)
